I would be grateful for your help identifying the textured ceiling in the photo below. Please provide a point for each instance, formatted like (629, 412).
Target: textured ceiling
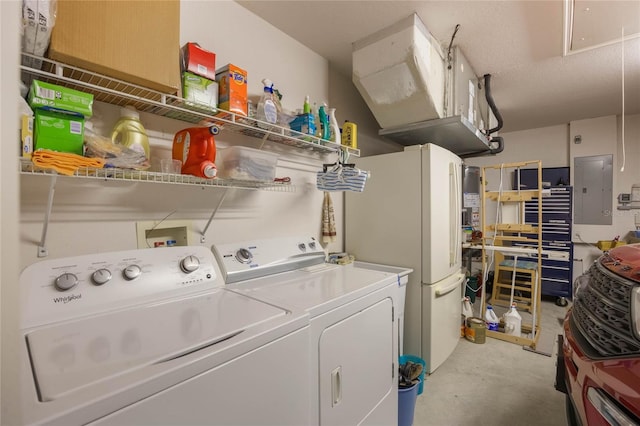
(520, 43)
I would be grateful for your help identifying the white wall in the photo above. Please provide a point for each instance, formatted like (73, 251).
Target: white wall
(9, 263)
(98, 216)
(547, 144)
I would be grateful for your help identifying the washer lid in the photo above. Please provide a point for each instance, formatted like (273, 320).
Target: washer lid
(319, 288)
(72, 355)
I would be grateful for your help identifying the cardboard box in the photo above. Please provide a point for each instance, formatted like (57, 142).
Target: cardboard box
(134, 41)
(59, 131)
(198, 61)
(304, 123)
(26, 135)
(199, 90)
(54, 97)
(232, 89)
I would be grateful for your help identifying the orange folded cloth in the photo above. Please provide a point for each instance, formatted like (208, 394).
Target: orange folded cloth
(63, 162)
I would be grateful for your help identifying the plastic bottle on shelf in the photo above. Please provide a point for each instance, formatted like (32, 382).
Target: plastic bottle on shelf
(324, 122)
(491, 319)
(334, 127)
(195, 147)
(267, 111)
(512, 321)
(130, 132)
(350, 134)
(306, 107)
(316, 118)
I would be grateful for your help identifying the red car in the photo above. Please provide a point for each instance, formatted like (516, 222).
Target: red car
(598, 367)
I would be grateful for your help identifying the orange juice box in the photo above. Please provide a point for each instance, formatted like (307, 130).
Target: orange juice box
(232, 89)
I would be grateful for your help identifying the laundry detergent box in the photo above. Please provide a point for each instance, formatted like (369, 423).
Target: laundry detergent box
(54, 97)
(199, 90)
(59, 131)
(198, 61)
(232, 89)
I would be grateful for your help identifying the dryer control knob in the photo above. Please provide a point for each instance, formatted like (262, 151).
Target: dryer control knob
(101, 276)
(244, 256)
(131, 272)
(66, 282)
(189, 264)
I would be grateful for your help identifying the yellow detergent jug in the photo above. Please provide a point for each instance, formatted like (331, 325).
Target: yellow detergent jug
(130, 132)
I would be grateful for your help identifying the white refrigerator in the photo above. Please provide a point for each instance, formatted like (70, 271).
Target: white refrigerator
(410, 215)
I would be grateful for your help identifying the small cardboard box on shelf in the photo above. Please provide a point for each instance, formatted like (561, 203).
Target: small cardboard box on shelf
(59, 131)
(198, 61)
(232, 89)
(199, 90)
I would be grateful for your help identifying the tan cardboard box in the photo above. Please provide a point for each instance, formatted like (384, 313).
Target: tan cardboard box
(135, 41)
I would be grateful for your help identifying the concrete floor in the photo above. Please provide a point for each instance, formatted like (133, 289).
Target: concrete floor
(497, 383)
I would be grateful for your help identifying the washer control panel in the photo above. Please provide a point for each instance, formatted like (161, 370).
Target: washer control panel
(65, 288)
(251, 259)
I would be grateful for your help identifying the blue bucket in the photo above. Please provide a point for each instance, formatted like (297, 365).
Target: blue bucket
(407, 404)
(417, 360)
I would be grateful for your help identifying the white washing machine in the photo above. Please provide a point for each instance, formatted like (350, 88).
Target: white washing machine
(153, 337)
(354, 322)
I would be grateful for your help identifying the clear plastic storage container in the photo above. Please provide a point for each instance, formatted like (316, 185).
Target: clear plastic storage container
(238, 162)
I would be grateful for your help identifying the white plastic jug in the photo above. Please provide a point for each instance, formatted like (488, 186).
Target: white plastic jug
(512, 321)
(491, 319)
(467, 310)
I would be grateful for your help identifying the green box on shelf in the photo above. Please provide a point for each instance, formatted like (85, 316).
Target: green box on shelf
(59, 131)
(200, 91)
(54, 97)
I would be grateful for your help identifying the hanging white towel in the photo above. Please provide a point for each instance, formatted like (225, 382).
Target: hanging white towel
(342, 179)
(328, 220)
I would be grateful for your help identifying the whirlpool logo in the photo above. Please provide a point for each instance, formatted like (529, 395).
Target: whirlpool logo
(67, 299)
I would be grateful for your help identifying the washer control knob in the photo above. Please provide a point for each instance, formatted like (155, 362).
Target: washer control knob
(312, 245)
(131, 272)
(244, 256)
(101, 276)
(189, 264)
(302, 247)
(66, 281)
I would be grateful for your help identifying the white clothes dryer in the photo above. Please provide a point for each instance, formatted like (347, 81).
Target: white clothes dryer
(152, 337)
(354, 322)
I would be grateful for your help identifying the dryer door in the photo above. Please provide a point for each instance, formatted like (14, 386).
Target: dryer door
(356, 366)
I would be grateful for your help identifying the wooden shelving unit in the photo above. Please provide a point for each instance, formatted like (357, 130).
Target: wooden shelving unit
(517, 267)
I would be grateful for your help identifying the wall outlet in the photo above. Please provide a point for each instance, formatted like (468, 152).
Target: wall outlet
(163, 233)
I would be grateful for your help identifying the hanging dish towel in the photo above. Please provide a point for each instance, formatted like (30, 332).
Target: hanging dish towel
(342, 179)
(63, 162)
(328, 220)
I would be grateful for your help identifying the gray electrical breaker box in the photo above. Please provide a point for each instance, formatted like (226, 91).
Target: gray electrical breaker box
(593, 190)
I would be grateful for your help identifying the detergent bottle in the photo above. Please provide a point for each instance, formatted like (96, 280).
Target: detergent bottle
(130, 132)
(467, 312)
(512, 321)
(491, 319)
(324, 122)
(334, 128)
(196, 148)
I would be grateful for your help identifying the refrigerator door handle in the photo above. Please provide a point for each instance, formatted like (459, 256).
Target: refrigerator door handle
(448, 289)
(454, 209)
